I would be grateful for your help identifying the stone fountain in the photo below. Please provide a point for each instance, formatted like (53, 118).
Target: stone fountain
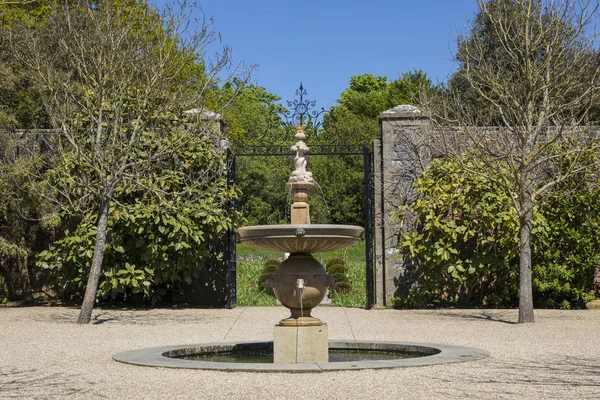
(300, 282)
(300, 341)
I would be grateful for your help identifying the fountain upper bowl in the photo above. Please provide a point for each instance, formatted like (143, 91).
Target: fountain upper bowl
(300, 238)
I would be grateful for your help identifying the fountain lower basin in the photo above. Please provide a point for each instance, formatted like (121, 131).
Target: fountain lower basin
(355, 355)
(297, 238)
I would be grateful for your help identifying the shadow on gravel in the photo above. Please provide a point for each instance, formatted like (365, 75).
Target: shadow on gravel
(29, 383)
(488, 317)
(564, 372)
(100, 319)
(481, 315)
(550, 378)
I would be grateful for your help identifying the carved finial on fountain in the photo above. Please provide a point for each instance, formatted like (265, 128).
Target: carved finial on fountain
(300, 181)
(300, 174)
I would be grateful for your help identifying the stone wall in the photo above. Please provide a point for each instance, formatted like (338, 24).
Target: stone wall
(407, 144)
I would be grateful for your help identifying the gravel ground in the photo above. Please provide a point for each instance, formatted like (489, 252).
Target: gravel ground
(45, 355)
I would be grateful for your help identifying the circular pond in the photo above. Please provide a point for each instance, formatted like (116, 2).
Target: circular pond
(258, 356)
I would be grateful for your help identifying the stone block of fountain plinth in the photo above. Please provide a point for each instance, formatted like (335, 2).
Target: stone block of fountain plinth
(300, 344)
(300, 214)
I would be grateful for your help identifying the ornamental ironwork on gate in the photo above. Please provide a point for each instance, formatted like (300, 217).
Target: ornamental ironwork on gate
(303, 112)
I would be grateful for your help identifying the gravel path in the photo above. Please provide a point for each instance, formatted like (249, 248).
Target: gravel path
(44, 355)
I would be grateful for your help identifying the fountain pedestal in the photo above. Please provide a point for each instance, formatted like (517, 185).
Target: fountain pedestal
(300, 344)
(300, 210)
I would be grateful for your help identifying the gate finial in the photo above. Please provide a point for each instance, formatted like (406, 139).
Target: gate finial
(302, 111)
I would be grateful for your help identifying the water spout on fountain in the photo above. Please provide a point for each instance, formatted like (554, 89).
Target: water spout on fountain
(299, 290)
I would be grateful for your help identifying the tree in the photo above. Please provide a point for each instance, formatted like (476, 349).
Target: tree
(355, 119)
(253, 119)
(252, 114)
(117, 76)
(532, 64)
(26, 218)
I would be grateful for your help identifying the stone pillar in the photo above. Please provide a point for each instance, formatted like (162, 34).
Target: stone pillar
(378, 246)
(208, 121)
(400, 158)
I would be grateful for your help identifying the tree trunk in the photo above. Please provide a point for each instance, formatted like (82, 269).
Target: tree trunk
(526, 291)
(26, 292)
(92, 284)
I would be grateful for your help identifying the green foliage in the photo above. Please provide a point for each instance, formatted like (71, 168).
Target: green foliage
(250, 270)
(264, 197)
(337, 268)
(115, 77)
(253, 119)
(355, 120)
(566, 256)
(269, 270)
(27, 219)
(465, 225)
(21, 101)
(155, 243)
(464, 249)
(485, 34)
(252, 114)
(334, 261)
(370, 95)
(339, 196)
(367, 95)
(353, 258)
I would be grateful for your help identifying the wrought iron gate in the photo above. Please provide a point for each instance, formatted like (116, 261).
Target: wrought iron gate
(333, 150)
(301, 111)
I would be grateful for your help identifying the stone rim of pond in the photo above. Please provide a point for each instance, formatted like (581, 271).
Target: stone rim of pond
(438, 354)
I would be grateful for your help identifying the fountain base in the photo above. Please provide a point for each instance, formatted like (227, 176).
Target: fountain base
(300, 321)
(258, 356)
(300, 344)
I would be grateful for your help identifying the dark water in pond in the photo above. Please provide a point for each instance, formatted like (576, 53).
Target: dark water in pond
(266, 356)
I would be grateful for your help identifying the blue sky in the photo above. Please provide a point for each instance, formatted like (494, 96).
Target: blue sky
(324, 43)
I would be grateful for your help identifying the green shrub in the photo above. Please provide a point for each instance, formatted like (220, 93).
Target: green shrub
(269, 270)
(249, 271)
(354, 259)
(336, 267)
(342, 286)
(334, 261)
(465, 248)
(153, 245)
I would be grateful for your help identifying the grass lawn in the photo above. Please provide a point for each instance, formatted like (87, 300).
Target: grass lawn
(250, 264)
